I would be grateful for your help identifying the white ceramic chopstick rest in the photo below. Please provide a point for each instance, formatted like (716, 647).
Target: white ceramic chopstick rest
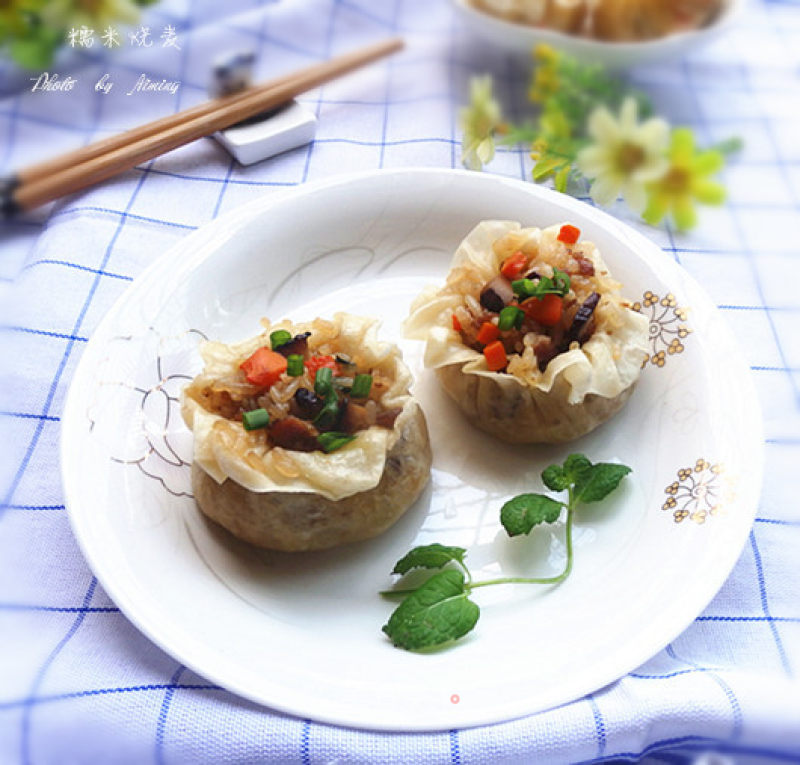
(265, 136)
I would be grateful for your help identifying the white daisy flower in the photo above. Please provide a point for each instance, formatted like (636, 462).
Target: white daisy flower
(625, 156)
(479, 121)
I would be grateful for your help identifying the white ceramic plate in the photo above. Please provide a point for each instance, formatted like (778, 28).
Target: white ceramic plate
(301, 633)
(523, 38)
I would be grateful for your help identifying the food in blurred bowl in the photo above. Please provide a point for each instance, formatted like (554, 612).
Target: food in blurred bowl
(614, 20)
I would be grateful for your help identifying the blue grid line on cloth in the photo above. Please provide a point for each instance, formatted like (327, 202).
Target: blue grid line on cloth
(785, 619)
(456, 143)
(30, 416)
(700, 744)
(68, 264)
(164, 712)
(730, 695)
(225, 183)
(27, 709)
(12, 130)
(762, 590)
(328, 48)
(57, 697)
(49, 121)
(767, 124)
(35, 507)
(212, 179)
(756, 281)
(184, 60)
(676, 673)
(455, 748)
(777, 522)
(388, 89)
(61, 609)
(132, 216)
(70, 344)
(305, 742)
(263, 38)
(47, 333)
(29, 701)
(599, 724)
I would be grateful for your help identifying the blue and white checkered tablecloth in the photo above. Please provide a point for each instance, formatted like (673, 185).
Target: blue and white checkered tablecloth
(78, 683)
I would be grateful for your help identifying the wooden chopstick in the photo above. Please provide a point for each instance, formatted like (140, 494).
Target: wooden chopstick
(51, 179)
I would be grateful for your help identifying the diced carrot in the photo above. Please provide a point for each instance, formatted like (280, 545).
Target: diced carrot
(487, 333)
(495, 355)
(315, 363)
(264, 367)
(568, 234)
(514, 266)
(456, 323)
(546, 310)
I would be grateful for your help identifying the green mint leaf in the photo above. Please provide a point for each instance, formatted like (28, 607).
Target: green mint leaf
(429, 556)
(577, 468)
(561, 477)
(600, 481)
(520, 514)
(436, 613)
(555, 478)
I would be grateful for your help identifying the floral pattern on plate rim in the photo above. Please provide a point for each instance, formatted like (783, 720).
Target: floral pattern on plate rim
(667, 328)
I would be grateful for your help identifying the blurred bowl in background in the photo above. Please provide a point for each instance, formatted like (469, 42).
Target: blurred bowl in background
(518, 37)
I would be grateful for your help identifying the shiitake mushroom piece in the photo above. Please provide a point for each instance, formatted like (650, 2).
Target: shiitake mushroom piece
(296, 346)
(497, 294)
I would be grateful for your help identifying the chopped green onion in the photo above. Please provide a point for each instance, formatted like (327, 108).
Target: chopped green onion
(295, 365)
(523, 287)
(510, 316)
(361, 386)
(330, 411)
(558, 285)
(279, 337)
(561, 282)
(323, 380)
(332, 441)
(255, 419)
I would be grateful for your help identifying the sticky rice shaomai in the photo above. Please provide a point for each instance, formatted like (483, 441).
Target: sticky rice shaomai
(306, 436)
(530, 334)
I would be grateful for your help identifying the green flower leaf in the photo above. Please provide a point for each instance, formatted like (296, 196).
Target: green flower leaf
(546, 166)
(598, 482)
(561, 179)
(436, 613)
(429, 556)
(520, 514)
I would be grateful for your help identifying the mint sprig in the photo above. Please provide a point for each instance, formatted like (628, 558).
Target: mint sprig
(436, 613)
(439, 611)
(429, 556)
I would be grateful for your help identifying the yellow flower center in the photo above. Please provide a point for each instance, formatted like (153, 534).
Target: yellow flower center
(676, 181)
(94, 8)
(629, 157)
